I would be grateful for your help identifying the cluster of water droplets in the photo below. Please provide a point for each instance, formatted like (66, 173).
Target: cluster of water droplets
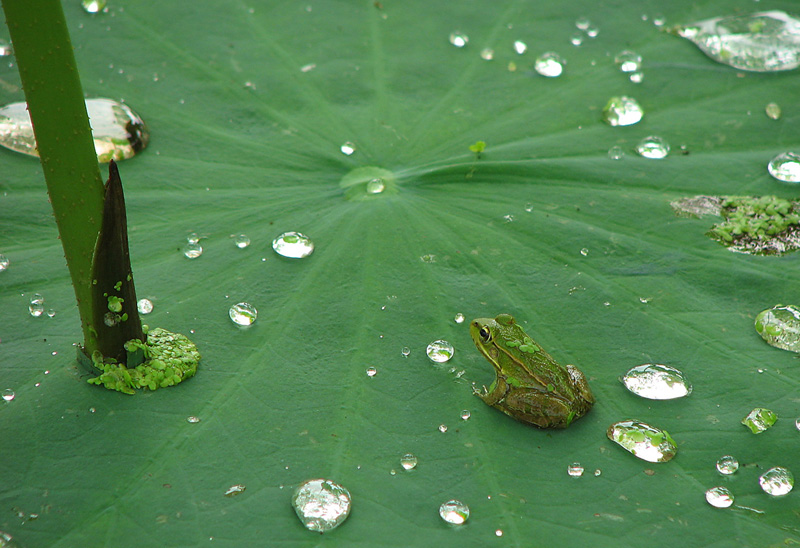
(630, 63)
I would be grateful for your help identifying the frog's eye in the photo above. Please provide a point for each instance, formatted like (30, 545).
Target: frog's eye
(485, 333)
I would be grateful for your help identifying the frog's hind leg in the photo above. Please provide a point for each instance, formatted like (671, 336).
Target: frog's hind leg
(495, 394)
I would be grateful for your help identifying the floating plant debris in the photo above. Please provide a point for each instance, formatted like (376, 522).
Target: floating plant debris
(622, 111)
(440, 351)
(321, 504)
(656, 382)
(727, 465)
(719, 497)
(119, 133)
(780, 327)
(762, 42)
(549, 64)
(294, 245)
(759, 419)
(777, 481)
(785, 167)
(643, 441)
(454, 511)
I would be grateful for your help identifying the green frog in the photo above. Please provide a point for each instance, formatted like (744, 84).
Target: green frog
(530, 385)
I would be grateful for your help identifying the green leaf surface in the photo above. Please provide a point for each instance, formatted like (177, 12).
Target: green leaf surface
(289, 399)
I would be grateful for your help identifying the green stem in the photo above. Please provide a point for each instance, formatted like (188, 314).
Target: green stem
(57, 108)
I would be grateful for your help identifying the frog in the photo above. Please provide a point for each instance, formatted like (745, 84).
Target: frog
(530, 385)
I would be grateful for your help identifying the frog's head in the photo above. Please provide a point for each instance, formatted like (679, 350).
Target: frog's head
(485, 331)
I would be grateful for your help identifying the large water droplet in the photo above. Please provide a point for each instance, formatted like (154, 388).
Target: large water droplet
(759, 419)
(622, 111)
(93, 6)
(727, 465)
(549, 64)
(118, 132)
(8, 394)
(762, 42)
(192, 250)
(657, 382)
(459, 39)
(234, 490)
(575, 470)
(144, 306)
(776, 481)
(4, 262)
(440, 351)
(628, 61)
(294, 245)
(643, 441)
(408, 461)
(780, 327)
(719, 497)
(243, 314)
(36, 306)
(454, 511)
(773, 111)
(321, 504)
(653, 147)
(785, 167)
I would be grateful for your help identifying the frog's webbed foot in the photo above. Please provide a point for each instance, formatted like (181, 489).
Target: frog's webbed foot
(495, 394)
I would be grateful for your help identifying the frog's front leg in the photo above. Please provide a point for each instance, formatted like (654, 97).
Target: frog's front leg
(496, 392)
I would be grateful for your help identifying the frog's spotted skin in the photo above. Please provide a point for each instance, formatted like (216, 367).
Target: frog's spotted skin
(529, 385)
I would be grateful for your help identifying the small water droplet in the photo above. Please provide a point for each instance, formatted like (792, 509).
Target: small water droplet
(308, 68)
(653, 147)
(487, 54)
(375, 186)
(144, 306)
(405, 351)
(719, 497)
(597, 473)
(193, 238)
(241, 241)
(576, 39)
(192, 250)
(584, 252)
(645, 300)
(465, 414)
(8, 394)
(459, 39)
(294, 245)
(4, 262)
(36, 306)
(759, 419)
(643, 441)
(321, 504)
(348, 148)
(440, 351)
(549, 64)
(498, 533)
(616, 153)
(622, 111)
(92, 410)
(776, 481)
(773, 111)
(628, 61)
(243, 314)
(192, 419)
(234, 490)
(520, 47)
(454, 511)
(575, 470)
(583, 23)
(529, 207)
(459, 318)
(659, 20)
(779, 326)
(5, 49)
(656, 382)
(93, 6)
(636, 77)
(727, 465)
(508, 218)
(785, 167)
(408, 461)
(371, 371)
(442, 428)
(51, 313)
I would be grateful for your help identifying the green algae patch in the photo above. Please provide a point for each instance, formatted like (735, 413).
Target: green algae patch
(168, 359)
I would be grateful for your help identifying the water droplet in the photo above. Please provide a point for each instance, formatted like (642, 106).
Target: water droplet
(36, 306)
(408, 461)
(529, 207)
(308, 68)
(592, 31)
(92, 410)
(628, 61)
(241, 241)
(234, 490)
(440, 351)
(371, 371)
(321, 504)
(616, 153)
(192, 251)
(719, 497)
(776, 481)
(762, 42)
(785, 167)
(520, 47)
(643, 441)
(575, 470)
(465, 414)
(294, 245)
(582, 23)
(727, 465)
(459, 39)
(549, 64)
(442, 428)
(459, 318)
(659, 20)
(508, 218)
(780, 327)
(118, 132)
(622, 111)
(51, 313)
(4, 262)
(375, 186)
(597, 473)
(5, 48)
(454, 511)
(653, 147)
(192, 419)
(8, 394)
(759, 419)
(348, 148)
(584, 252)
(773, 111)
(405, 351)
(576, 39)
(487, 54)
(637, 77)
(498, 533)
(93, 6)
(657, 382)
(144, 306)
(193, 238)
(243, 314)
